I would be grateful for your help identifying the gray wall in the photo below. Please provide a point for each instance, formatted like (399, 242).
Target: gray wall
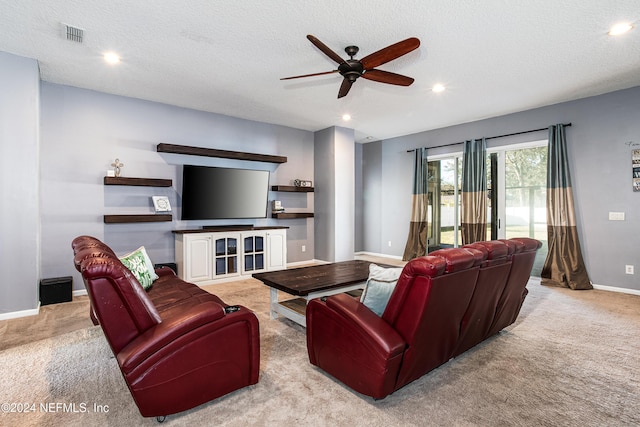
(358, 242)
(604, 131)
(344, 193)
(371, 197)
(324, 183)
(19, 180)
(84, 131)
(334, 158)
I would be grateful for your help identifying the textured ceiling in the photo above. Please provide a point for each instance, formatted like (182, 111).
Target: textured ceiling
(227, 56)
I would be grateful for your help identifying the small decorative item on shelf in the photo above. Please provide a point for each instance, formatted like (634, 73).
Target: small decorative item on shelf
(276, 206)
(302, 183)
(161, 203)
(116, 167)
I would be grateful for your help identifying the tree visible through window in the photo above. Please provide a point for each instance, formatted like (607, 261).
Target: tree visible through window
(525, 192)
(519, 192)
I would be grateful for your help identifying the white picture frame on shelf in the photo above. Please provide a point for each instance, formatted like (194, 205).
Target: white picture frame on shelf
(161, 203)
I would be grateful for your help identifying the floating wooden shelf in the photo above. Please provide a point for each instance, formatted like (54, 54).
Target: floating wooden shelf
(291, 215)
(121, 219)
(292, 188)
(211, 152)
(143, 182)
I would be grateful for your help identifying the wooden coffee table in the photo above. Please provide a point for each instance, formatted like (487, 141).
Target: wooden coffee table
(307, 283)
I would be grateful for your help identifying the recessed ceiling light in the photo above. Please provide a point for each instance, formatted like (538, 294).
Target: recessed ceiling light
(346, 117)
(111, 58)
(438, 88)
(618, 29)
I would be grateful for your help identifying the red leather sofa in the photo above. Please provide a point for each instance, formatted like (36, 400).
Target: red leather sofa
(442, 305)
(176, 345)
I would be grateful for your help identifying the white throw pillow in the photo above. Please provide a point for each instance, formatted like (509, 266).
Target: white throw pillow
(139, 263)
(380, 285)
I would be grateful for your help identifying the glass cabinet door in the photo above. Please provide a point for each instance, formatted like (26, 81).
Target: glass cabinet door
(226, 255)
(254, 257)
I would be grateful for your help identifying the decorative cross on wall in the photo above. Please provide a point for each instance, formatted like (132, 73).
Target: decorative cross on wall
(116, 166)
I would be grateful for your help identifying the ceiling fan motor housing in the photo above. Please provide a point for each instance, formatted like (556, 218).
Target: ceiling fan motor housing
(351, 69)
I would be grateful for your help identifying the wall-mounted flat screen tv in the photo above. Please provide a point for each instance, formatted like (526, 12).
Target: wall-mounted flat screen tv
(223, 193)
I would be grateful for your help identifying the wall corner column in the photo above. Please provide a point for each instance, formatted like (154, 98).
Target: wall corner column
(334, 182)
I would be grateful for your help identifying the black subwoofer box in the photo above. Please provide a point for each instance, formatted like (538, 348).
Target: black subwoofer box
(55, 290)
(171, 265)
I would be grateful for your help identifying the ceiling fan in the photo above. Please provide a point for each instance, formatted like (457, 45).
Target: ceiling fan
(351, 68)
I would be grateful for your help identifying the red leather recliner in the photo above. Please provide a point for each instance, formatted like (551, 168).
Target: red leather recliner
(495, 264)
(176, 345)
(442, 305)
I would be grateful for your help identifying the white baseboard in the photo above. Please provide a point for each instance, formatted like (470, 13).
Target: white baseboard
(22, 313)
(378, 255)
(302, 263)
(614, 289)
(537, 280)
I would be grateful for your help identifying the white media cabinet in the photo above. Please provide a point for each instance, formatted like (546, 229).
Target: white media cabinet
(216, 254)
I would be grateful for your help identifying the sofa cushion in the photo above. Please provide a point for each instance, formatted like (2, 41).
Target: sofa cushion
(380, 285)
(141, 266)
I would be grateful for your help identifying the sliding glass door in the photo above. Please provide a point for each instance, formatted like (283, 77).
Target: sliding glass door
(526, 193)
(516, 179)
(444, 203)
(521, 195)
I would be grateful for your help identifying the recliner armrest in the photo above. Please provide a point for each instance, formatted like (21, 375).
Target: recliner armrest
(361, 317)
(167, 331)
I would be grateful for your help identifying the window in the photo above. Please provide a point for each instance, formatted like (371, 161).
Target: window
(516, 180)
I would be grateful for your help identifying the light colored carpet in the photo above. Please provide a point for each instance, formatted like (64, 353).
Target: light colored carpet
(54, 319)
(571, 359)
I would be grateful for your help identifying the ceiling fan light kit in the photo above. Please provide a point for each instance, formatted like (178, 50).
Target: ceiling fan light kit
(350, 69)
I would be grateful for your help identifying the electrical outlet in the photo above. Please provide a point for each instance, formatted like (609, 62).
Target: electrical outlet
(304, 248)
(389, 243)
(628, 269)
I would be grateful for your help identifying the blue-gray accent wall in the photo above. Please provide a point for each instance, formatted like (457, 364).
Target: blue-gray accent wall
(20, 183)
(605, 129)
(84, 131)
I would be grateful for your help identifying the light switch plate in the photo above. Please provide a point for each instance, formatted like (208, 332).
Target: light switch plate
(616, 216)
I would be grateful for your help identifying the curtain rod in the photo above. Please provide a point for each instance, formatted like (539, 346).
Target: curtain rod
(493, 137)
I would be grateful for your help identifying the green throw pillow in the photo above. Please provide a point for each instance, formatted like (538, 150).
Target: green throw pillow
(380, 285)
(140, 265)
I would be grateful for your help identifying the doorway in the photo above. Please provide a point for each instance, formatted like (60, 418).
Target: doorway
(516, 179)
(444, 203)
(520, 186)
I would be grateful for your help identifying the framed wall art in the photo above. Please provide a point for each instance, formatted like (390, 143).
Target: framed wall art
(161, 203)
(635, 165)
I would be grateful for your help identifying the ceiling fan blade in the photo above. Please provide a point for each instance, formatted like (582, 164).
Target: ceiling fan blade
(331, 54)
(309, 75)
(344, 87)
(390, 53)
(387, 77)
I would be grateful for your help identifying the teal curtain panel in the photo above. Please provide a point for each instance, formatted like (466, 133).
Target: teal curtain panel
(474, 191)
(419, 226)
(564, 265)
